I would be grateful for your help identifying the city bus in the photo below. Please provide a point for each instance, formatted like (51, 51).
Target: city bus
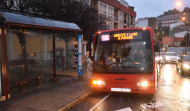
(124, 61)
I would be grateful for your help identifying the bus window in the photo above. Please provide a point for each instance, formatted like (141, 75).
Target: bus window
(130, 55)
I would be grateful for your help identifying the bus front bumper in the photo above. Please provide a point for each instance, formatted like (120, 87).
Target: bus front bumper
(124, 88)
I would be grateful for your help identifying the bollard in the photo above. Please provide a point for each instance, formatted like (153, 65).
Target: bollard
(37, 81)
(20, 87)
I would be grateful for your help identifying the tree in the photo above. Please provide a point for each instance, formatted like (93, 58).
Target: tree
(22, 40)
(6, 4)
(185, 10)
(20, 6)
(170, 12)
(186, 38)
(17, 5)
(161, 32)
(76, 11)
(182, 43)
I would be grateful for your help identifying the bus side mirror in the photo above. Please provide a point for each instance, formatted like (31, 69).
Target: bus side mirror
(156, 48)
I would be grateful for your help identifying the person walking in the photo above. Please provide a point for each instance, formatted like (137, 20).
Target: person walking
(89, 67)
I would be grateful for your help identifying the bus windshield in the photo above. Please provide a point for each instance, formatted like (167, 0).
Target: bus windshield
(133, 55)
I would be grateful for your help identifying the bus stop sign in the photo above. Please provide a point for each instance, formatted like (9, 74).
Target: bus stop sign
(80, 43)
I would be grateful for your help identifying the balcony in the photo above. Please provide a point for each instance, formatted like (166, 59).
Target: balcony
(115, 18)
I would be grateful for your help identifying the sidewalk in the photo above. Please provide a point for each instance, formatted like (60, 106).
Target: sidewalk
(51, 97)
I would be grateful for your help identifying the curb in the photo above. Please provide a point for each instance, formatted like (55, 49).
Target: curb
(68, 106)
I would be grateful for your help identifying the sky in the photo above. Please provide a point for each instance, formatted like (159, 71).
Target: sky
(154, 8)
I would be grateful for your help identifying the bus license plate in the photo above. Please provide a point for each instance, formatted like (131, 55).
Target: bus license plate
(121, 89)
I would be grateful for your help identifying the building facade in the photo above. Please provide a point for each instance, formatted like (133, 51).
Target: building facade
(179, 29)
(146, 22)
(141, 22)
(177, 41)
(152, 22)
(168, 41)
(116, 14)
(165, 21)
(172, 41)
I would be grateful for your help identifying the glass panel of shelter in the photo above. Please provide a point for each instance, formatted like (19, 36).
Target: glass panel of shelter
(64, 53)
(29, 54)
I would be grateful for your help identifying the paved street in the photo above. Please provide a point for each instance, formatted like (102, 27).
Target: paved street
(173, 94)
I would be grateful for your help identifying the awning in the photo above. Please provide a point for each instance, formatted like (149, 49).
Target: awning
(29, 21)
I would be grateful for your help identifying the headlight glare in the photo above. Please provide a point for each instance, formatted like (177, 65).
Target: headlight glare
(157, 58)
(98, 82)
(167, 58)
(186, 66)
(144, 83)
(94, 82)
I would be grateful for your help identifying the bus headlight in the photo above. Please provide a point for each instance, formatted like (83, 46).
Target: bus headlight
(94, 82)
(143, 84)
(186, 66)
(98, 82)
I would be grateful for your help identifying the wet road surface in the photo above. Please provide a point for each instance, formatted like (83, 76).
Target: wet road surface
(173, 94)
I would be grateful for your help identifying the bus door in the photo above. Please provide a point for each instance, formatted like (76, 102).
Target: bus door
(157, 58)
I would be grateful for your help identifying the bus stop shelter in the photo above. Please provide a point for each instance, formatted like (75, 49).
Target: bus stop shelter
(32, 48)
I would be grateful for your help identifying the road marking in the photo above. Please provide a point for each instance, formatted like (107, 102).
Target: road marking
(94, 107)
(125, 109)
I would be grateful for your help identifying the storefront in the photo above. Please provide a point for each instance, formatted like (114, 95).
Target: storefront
(32, 48)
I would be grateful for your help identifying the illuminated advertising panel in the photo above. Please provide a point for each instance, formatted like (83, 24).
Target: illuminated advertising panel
(105, 37)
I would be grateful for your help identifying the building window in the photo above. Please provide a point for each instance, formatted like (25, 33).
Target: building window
(88, 1)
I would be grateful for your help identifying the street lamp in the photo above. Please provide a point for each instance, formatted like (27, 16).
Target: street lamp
(185, 20)
(181, 3)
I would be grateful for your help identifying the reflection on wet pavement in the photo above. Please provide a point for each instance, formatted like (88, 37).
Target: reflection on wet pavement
(172, 94)
(174, 90)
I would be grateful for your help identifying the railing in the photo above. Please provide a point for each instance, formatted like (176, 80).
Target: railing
(37, 80)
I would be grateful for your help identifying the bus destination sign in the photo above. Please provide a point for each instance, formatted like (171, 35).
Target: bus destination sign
(125, 36)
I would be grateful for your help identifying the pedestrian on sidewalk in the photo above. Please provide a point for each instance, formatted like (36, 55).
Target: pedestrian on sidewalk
(89, 67)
